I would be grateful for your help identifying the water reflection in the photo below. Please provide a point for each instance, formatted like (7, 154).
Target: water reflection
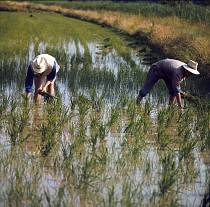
(100, 67)
(77, 61)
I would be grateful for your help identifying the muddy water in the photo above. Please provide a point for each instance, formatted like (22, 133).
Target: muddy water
(122, 169)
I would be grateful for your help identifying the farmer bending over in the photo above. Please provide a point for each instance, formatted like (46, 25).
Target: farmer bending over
(173, 72)
(42, 70)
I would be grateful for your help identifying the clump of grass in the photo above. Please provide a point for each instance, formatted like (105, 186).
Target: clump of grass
(4, 103)
(48, 139)
(83, 161)
(131, 194)
(51, 129)
(203, 125)
(18, 188)
(139, 24)
(165, 118)
(94, 149)
(4, 100)
(98, 131)
(110, 199)
(114, 116)
(17, 121)
(189, 11)
(84, 104)
(136, 129)
(97, 101)
(169, 173)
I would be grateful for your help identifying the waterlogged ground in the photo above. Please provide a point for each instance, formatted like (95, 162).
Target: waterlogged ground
(93, 146)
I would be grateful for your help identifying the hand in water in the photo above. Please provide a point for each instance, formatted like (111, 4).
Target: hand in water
(182, 109)
(44, 89)
(41, 90)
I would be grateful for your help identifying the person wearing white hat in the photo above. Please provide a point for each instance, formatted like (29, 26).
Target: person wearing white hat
(42, 71)
(173, 72)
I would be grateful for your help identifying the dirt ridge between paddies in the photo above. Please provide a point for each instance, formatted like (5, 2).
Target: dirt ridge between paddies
(171, 36)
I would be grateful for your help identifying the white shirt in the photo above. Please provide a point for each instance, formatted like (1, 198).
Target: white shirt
(50, 60)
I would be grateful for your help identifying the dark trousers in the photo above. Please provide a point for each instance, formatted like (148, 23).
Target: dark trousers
(150, 81)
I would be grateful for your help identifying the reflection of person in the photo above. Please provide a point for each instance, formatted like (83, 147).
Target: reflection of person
(42, 70)
(173, 72)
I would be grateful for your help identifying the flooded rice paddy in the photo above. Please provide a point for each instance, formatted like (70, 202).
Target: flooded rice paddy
(93, 146)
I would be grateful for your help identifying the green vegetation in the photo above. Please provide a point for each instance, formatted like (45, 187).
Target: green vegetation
(25, 30)
(78, 151)
(188, 11)
(93, 145)
(179, 31)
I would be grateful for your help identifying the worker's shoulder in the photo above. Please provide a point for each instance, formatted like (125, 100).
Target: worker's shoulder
(170, 60)
(170, 63)
(47, 56)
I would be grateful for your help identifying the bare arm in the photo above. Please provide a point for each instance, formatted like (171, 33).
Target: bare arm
(46, 85)
(179, 100)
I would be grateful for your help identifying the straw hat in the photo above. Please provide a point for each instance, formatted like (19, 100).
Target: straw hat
(39, 64)
(192, 66)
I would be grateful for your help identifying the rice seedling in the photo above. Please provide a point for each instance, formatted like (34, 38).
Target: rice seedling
(131, 194)
(16, 122)
(84, 161)
(67, 151)
(97, 101)
(203, 126)
(97, 131)
(110, 200)
(84, 105)
(168, 174)
(114, 116)
(52, 129)
(92, 145)
(3, 107)
(21, 192)
(18, 188)
(164, 117)
(4, 104)
(48, 139)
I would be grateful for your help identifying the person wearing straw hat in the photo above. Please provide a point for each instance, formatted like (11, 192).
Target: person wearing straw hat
(173, 72)
(42, 71)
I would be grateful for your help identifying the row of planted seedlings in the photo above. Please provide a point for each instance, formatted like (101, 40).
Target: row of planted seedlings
(72, 142)
(14, 162)
(103, 140)
(23, 148)
(95, 152)
(181, 140)
(99, 131)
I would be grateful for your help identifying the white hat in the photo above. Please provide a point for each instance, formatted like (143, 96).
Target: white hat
(39, 65)
(191, 66)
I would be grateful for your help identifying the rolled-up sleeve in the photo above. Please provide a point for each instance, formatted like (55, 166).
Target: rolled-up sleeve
(29, 80)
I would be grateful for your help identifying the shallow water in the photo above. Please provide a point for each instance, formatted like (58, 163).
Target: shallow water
(96, 157)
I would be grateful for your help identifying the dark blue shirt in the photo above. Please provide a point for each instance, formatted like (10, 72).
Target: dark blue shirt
(30, 77)
(171, 72)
